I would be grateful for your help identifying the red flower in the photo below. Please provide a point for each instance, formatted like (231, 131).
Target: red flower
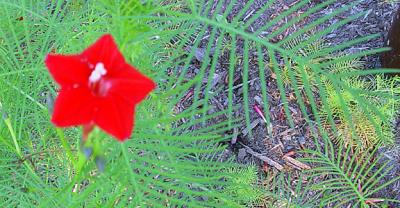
(98, 87)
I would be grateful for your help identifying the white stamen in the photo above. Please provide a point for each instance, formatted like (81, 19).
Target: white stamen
(98, 72)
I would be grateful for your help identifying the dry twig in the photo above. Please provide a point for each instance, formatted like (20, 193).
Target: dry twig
(266, 159)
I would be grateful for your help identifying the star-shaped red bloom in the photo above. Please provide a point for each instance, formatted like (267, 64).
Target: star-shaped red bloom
(98, 87)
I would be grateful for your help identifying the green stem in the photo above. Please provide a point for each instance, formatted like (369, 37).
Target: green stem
(17, 148)
(132, 178)
(67, 148)
(13, 136)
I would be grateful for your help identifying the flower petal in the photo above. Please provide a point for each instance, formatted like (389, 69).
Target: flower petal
(73, 107)
(109, 102)
(105, 51)
(115, 116)
(67, 70)
(130, 84)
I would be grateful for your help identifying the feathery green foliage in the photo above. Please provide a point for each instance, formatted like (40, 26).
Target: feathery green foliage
(297, 58)
(367, 135)
(286, 191)
(331, 89)
(161, 165)
(173, 158)
(350, 178)
(242, 177)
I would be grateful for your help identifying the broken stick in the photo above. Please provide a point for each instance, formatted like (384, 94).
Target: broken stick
(266, 159)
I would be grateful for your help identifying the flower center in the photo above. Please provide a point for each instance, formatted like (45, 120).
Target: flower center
(99, 86)
(97, 73)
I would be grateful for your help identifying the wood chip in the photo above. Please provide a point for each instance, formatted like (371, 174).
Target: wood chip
(276, 146)
(374, 201)
(287, 132)
(290, 153)
(265, 167)
(297, 164)
(242, 154)
(252, 126)
(235, 136)
(258, 99)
